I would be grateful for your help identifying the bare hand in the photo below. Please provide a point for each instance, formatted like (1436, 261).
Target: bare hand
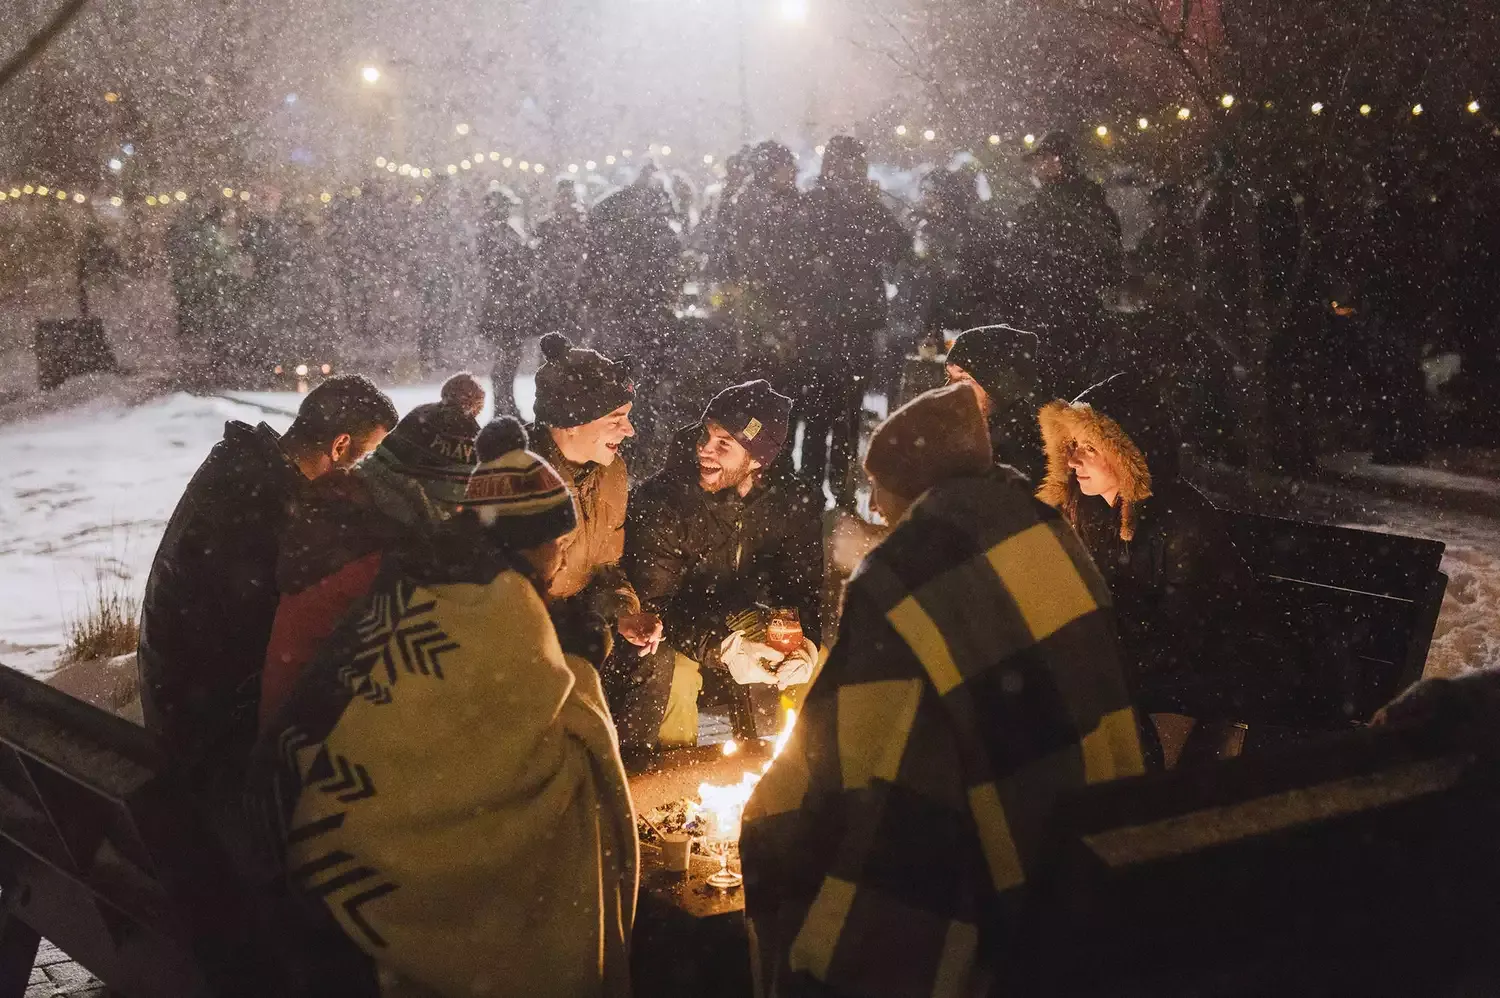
(642, 630)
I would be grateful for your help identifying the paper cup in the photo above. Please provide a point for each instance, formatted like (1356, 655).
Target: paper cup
(676, 847)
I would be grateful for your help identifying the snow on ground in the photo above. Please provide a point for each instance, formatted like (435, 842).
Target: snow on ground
(87, 492)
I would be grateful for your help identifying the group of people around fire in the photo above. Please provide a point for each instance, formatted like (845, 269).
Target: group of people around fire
(405, 663)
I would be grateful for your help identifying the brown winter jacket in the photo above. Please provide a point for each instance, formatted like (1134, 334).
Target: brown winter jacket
(591, 554)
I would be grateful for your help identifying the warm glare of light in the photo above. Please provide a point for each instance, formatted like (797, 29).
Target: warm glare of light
(464, 164)
(62, 195)
(1102, 131)
(116, 165)
(151, 200)
(111, 97)
(591, 165)
(326, 368)
(1473, 106)
(900, 129)
(524, 165)
(1365, 110)
(180, 195)
(117, 200)
(1143, 123)
(301, 370)
(80, 198)
(1184, 113)
(1029, 139)
(731, 747)
(244, 195)
(1227, 100)
(994, 140)
(494, 157)
(1317, 108)
(426, 171)
(325, 197)
(390, 167)
(626, 153)
(276, 369)
(370, 74)
(42, 191)
(666, 150)
(537, 167)
(28, 188)
(506, 162)
(380, 162)
(15, 192)
(708, 159)
(462, 128)
(403, 169)
(1417, 110)
(609, 160)
(452, 168)
(572, 167)
(785, 734)
(929, 134)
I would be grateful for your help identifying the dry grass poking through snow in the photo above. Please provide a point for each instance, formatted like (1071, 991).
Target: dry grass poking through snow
(110, 624)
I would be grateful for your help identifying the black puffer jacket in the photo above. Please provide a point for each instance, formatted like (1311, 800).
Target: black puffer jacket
(210, 601)
(697, 557)
(1191, 625)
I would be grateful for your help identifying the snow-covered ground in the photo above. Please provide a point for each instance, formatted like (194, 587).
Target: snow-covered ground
(87, 492)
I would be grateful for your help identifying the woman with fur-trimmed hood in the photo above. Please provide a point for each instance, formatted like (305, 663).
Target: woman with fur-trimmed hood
(1180, 588)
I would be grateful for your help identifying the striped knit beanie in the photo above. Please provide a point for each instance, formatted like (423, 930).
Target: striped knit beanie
(515, 492)
(433, 444)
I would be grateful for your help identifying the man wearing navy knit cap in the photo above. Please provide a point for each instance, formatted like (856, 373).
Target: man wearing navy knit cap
(713, 542)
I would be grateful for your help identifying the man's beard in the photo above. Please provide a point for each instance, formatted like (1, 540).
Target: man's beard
(725, 477)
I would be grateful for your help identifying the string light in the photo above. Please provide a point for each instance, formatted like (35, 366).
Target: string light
(1142, 123)
(626, 153)
(572, 167)
(708, 159)
(452, 169)
(117, 200)
(666, 150)
(524, 166)
(506, 162)
(380, 162)
(1416, 110)
(464, 164)
(244, 195)
(1227, 101)
(28, 188)
(42, 191)
(180, 196)
(1102, 131)
(1365, 109)
(591, 165)
(900, 129)
(537, 167)
(478, 158)
(461, 128)
(426, 171)
(1317, 107)
(62, 195)
(1184, 113)
(494, 157)
(994, 140)
(111, 97)
(609, 160)
(1030, 140)
(151, 200)
(80, 198)
(325, 197)
(1473, 107)
(929, 135)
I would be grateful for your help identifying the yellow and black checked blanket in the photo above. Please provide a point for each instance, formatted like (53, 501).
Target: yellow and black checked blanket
(975, 676)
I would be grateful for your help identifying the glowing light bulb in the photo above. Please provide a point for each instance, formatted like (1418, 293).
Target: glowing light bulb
(117, 200)
(151, 200)
(1184, 113)
(1317, 108)
(464, 164)
(1029, 139)
(80, 198)
(370, 74)
(538, 168)
(62, 195)
(524, 165)
(426, 171)
(1227, 100)
(325, 197)
(666, 150)
(572, 167)
(111, 96)
(403, 169)
(1143, 123)
(609, 160)
(929, 134)
(326, 368)
(994, 140)
(506, 162)
(244, 195)
(900, 129)
(1365, 110)
(452, 168)
(462, 128)
(626, 153)
(229, 192)
(494, 157)
(1102, 131)
(380, 162)
(180, 195)
(116, 165)
(591, 165)
(1473, 107)
(390, 167)
(1417, 110)
(301, 370)
(42, 191)
(28, 189)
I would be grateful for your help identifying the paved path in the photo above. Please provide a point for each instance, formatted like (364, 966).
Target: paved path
(55, 974)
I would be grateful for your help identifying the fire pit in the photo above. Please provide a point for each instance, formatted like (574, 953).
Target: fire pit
(690, 934)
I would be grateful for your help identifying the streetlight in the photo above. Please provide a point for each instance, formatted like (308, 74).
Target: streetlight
(370, 74)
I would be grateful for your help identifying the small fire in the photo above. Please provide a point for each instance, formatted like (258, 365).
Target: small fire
(726, 805)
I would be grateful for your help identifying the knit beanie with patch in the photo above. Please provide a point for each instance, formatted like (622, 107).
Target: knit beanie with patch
(756, 415)
(936, 436)
(1002, 359)
(576, 386)
(515, 492)
(433, 444)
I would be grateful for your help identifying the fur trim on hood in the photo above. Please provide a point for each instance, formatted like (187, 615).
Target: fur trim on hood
(1062, 423)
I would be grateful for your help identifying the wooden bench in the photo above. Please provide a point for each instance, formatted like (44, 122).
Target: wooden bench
(1357, 606)
(101, 853)
(1363, 864)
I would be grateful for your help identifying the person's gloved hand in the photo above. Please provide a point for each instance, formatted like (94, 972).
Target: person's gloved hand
(749, 661)
(797, 668)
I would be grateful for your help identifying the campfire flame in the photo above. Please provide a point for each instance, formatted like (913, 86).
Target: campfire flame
(726, 804)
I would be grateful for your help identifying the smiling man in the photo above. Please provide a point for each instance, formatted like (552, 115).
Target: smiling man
(583, 403)
(720, 536)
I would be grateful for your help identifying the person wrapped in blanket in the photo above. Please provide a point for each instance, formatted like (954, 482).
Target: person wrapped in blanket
(974, 679)
(445, 777)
